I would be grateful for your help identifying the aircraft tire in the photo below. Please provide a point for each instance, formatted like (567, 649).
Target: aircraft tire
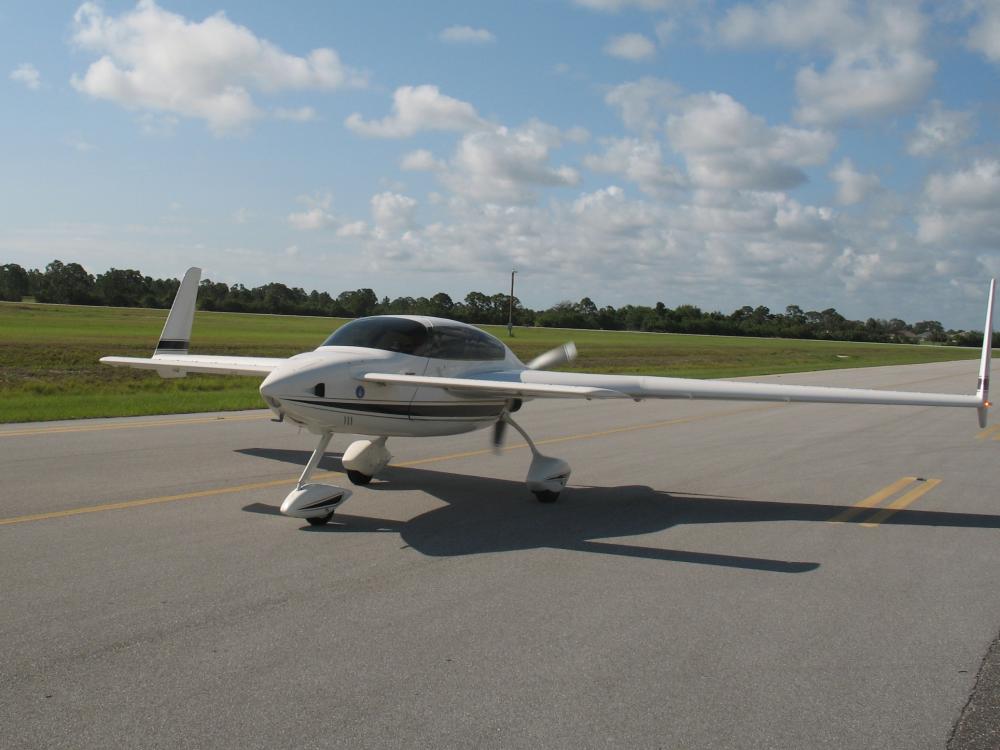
(357, 477)
(320, 520)
(546, 496)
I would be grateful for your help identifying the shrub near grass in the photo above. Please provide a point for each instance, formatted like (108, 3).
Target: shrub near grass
(49, 355)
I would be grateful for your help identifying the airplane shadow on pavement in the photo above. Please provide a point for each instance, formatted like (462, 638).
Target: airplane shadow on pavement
(483, 514)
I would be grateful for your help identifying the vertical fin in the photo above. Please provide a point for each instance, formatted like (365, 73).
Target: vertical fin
(983, 387)
(176, 336)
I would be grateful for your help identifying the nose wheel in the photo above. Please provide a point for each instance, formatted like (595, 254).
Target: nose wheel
(357, 477)
(320, 520)
(315, 503)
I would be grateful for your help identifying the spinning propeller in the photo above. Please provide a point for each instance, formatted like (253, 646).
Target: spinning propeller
(552, 358)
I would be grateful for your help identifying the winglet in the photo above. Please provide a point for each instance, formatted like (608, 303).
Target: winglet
(983, 387)
(176, 336)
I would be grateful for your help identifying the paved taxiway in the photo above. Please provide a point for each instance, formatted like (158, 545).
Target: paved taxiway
(718, 575)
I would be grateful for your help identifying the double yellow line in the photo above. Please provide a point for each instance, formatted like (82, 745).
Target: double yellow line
(923, 486)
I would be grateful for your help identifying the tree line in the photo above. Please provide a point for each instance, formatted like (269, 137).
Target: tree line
(70, 283)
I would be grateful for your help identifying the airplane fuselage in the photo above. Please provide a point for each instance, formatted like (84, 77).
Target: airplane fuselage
(322, 390)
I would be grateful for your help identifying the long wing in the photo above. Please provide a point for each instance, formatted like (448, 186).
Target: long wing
(532, 383)
(513, 387)
(545, 384)
(174, 366)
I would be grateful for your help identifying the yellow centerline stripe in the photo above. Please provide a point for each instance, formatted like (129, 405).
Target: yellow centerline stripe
(127, 425)
(897, 505)
(416, 462)
(873, 500)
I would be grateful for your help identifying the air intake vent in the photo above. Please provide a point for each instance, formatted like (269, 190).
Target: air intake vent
(320, 389)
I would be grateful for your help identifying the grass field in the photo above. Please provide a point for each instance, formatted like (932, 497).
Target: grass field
(49, 368)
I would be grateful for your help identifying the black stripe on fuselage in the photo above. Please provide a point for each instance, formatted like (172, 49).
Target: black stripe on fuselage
(172, 345)
(415, 410)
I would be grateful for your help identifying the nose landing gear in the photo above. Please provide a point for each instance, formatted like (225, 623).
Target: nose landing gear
(315, 503)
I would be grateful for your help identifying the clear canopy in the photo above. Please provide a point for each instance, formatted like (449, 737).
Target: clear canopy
(411, 337)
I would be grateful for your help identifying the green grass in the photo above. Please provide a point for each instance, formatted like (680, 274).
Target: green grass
(49, 368)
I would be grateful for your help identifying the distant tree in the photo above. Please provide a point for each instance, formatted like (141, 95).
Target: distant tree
(795, 315)
(13, 282)
(212, 295)
(477, 307)
(359, 303)
(66, 283)
(121, 288)
(441, 305)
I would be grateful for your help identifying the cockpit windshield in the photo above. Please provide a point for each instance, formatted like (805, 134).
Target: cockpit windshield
(390, 334)
(410, 337)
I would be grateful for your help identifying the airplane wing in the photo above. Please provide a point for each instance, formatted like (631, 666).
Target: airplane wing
(545, 384)
(513, 388)
(181, 364)
(534, 383)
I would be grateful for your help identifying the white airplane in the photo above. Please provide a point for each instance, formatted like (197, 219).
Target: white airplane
(415, 376)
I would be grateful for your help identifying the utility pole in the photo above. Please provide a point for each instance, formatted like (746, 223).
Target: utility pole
(510, 316)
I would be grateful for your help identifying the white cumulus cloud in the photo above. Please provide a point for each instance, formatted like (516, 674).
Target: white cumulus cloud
(984, 35)
(726, 146)
(417, 108)
(939, 130)
(420, 160)
(852, 185)
(962, 206)
(634, 47)
(466, 35)
(878, 67)
(393, 213)
(153, 59)
(640, 161)
(643, 104)
(317, 214)
(27, 74)
(503, 165)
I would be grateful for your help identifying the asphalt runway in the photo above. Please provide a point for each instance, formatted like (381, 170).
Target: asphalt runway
(717, 575)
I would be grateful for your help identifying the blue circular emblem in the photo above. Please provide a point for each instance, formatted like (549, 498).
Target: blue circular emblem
(359, 391)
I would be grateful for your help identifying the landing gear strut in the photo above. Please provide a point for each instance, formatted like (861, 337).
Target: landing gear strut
(363, 459)
(314, 502)
(547, 476)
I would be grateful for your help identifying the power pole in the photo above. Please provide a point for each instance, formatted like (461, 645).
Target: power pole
(510, 316)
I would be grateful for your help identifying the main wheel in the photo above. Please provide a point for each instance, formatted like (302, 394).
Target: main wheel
(320, 520)
(546, 496)
(357, 477)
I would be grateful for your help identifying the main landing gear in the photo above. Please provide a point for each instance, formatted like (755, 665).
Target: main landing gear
(316, 503)
(547, 476)
(364, 459)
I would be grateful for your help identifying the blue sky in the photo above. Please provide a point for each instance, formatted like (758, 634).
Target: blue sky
(830, 153)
